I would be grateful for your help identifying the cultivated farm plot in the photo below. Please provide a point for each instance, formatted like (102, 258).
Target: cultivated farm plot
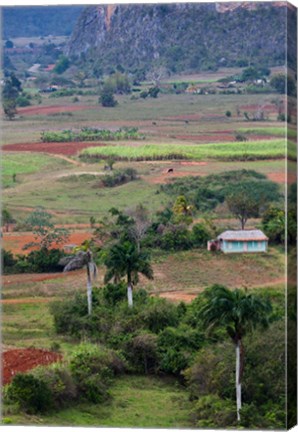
(225, 151)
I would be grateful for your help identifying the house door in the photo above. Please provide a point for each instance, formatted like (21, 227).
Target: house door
(245, 246)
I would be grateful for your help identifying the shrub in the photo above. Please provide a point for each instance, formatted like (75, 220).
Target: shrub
(159, 314)
(240, 137)
(213, 412)
(32, 394)
(107, 97)
(113, 293)
(228, 114)
(119, 177)
(199, 235)
(153, 92)
(90, 359)
(69, 315)
(175, 237)
(23, 101)
(177, 347)
(8, 261)
(93, 367)
(45, 260)
(60, 382)
(212, 372)
(142, 353)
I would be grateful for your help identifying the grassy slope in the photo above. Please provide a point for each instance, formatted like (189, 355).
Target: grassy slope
(137, 401)
(28, 163)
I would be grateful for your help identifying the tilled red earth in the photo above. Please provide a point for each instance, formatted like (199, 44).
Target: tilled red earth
(22, 360)
(66, 148)
(53, 109)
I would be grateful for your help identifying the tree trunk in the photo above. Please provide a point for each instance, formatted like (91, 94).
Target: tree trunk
(129, 295)
(89, 290)
(238, 379)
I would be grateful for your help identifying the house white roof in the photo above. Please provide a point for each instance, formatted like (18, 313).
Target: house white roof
(242, 235)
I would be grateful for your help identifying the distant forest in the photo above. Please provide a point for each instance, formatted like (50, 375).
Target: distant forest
(39, 20)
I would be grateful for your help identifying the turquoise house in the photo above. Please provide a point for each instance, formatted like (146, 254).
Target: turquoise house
(243, 241)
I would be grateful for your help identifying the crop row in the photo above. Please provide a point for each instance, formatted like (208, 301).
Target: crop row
(225, 151)
(91, 134)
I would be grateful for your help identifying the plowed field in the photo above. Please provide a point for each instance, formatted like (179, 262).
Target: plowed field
(65, 148)
(53, 109)
(22, 360)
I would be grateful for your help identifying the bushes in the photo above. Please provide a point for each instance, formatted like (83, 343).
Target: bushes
(159, 314)
(87, 377)
(39, 261)
(213, 412)
(91, 134)
(142, 353)
(119, 177)
(8, 261)
(59, 381)
(92, 368)
(177, 346)
(32, 394)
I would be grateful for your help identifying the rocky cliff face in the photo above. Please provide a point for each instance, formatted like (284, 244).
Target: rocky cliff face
(185, 36)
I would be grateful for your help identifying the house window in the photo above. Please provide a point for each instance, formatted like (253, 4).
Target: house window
(260, 245)
(230, 245)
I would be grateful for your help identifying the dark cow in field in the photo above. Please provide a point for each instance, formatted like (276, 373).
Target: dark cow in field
(170, 170)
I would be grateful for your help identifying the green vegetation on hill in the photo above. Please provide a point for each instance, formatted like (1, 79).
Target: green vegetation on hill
(185, 37)
(39, 21)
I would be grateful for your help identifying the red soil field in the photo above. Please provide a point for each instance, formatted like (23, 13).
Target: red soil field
(267, 107)
(15, 241)
(22, 360)
(53, 109)
(67, 148)
(281, 177)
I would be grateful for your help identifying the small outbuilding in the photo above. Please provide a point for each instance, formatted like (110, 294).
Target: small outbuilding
(240, 241)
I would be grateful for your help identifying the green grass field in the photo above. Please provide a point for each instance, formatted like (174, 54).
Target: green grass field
(28, 163)
(135, 401)
(278, 131)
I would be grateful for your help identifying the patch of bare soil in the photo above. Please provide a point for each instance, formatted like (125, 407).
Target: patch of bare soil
(15, 241)
(53, 109)
(22, 360)
(64, 148)
(178, 296)
(277, 177)
(165, 176)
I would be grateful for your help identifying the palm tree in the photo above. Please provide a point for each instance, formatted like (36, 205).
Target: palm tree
(124, 259)
(83, 257)
(240, 312)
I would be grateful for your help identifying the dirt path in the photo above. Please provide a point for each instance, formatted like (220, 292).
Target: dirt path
(69, 160)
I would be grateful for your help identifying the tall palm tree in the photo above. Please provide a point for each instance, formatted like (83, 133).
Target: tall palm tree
(83, 257)
(240, 312)
(124, 259)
